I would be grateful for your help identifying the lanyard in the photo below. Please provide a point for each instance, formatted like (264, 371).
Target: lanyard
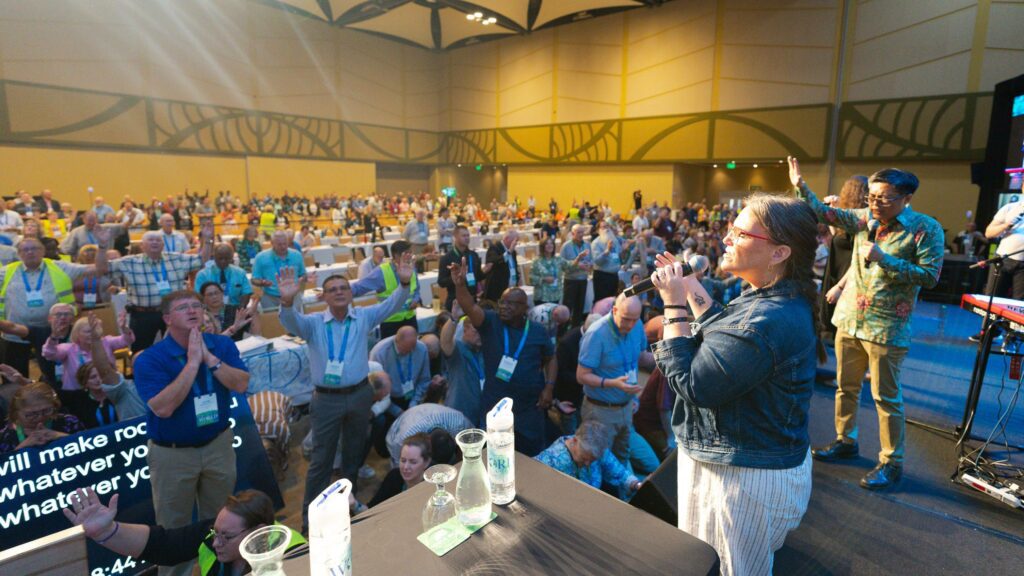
(163, 267)
(95, 285)
(39, 284)
(408, 367)
(623, 350)
(473, 360)
(344, 341)
(111, 414)
(522, 340)
(195, 383)
(92, 239)
(169, 247)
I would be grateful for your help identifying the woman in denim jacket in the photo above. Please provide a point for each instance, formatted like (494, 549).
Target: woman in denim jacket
(743, 379)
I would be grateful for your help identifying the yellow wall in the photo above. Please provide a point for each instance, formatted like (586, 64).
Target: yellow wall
(568, 184)
(484, 185)
(310, 177)
(114, 174)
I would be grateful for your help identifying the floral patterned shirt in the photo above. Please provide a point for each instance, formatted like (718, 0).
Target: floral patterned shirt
(605, 470)
(542, 291)
(879, 299)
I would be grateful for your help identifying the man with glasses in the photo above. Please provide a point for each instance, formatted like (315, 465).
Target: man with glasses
(186, 381)
(897, 251)
(517, 360)
(339, 367)
(30, 286)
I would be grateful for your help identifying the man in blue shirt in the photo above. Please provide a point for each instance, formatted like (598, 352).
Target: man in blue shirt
(517, 360)
(339, 366)
(464, 363)
(610, 353)
(186, 381)
(269, 263)
(405, 360)
(232, 279)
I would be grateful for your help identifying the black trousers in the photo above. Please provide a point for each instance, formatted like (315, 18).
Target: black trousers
(145, 325)
(391, 328)
(605, 284)
(17, 355)
(574, 296)
(1011, 280)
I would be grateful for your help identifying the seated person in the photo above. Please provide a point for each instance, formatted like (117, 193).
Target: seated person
(214, 542)
(587, 458)
(415, 459)
(78, 350)
(34, 419)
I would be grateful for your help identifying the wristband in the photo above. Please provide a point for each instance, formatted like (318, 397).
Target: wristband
(667, 321)
(674, 306)
(602, 382)
(117, 526)
(216, 366)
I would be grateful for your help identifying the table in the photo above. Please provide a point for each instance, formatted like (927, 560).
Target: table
(556, 525)
(322, 255)
(284, 369)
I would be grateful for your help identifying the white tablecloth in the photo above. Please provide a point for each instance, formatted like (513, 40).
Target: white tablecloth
(284, 369)
(323, 255)
(325, 272)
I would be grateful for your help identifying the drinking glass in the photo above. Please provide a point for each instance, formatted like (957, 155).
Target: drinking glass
(441, 506)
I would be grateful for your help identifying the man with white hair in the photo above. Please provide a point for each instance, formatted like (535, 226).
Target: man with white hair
(268, 264)
(174, 241)
(610, 354)
(102, 209)
(371, 262)
(417, 233)
(501, 266)
(10, 222)
(552, 317)
(152, 275)
(574, 293)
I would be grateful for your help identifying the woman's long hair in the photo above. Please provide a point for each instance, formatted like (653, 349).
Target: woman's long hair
(791, 222)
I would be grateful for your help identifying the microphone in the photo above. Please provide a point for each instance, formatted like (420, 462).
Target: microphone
(696, 263)
(872, 231)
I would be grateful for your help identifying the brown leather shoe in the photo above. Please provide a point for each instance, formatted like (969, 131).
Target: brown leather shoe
(882, 476)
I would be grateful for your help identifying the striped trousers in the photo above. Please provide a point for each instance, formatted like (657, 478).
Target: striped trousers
(743, 513)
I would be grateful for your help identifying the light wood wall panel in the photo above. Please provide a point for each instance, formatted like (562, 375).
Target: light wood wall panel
(568, 184)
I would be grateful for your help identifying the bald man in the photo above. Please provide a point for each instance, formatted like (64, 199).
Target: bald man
(610, 355)
(232, 279)
(269, 263)
(407, 362)
(174, 241)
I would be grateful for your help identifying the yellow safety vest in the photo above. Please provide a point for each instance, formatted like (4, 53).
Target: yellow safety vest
(208, 558)
(61, 283)
(390, 285)
(267, 222)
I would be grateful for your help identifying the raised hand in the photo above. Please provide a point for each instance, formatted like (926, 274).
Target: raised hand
(669, 279)
(102, 237)
(287, 284)
(88, 512)
(196, 348)
(458, 272)
(795, 177)
(405, 268)
(61, 326)
(13, 375)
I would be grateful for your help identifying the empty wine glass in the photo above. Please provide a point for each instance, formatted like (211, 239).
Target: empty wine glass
(441, 506)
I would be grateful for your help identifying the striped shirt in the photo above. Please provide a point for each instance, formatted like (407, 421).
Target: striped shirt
(141, 275)
(270, 411)
(423, 419)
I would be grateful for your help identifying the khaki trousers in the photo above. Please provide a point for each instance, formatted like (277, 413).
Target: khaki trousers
(853, 357)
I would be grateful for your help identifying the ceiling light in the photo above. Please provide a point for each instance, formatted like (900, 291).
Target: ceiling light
(486, 22)
(714, 165)
(755, 165)
(469, 16)
(492, 20)
(478, 15)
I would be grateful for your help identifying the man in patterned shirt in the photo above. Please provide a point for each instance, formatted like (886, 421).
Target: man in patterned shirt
(151, 275)
(897, 252)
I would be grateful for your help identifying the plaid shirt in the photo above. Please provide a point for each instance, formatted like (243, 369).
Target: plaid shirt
(141, 275)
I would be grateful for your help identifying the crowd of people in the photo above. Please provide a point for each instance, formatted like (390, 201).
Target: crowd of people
(720, 363)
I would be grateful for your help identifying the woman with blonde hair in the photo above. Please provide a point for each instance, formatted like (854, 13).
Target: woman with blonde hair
(34, 419)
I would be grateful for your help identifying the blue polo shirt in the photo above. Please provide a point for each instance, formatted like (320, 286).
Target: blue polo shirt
(159, 365)
(610, 355)
(232, 280)
(267, 264)
(528, 379)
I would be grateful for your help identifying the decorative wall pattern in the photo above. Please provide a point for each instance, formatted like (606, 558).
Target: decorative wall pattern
(935, 127)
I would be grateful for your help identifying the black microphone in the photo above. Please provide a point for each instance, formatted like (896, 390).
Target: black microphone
(696, 263)
(872, 231)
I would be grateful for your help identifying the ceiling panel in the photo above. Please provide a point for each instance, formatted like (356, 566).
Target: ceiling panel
(553, 10)
(311, 7)
(410, 22)
(455, 27)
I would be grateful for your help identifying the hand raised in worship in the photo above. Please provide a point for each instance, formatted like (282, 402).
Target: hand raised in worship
(102, 237)
(458, 272)
(196, 347)
(60, 327)
(405, 268)
(795, 177)
(288, 285)
(13, 375)
(88, 512)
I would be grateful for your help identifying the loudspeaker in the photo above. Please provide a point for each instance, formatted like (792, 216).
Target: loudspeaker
(657, 495)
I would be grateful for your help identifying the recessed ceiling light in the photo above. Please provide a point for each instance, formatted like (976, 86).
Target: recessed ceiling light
(755, 165)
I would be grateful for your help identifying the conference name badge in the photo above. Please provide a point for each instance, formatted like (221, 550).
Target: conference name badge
(89, 299)
(407, 388)
(206, 410)
(333, 372)
(631, 377)
(58, 370)
(470, 279)
(506, 368)
(163, 287)
(35, 298)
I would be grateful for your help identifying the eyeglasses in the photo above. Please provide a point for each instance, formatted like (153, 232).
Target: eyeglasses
(337, 289)
(43, 413)
(188, 307)
(883, 200)
(215, 535)
(741, 234)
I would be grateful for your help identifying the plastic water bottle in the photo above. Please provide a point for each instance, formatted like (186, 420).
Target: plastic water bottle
(501, 452)
(330, 532)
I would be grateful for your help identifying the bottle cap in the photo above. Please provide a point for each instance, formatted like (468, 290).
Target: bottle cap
(501, 415)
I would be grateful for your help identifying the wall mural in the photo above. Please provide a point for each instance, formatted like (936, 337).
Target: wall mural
(952, 127)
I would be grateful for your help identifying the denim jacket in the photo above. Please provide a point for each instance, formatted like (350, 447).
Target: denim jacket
(744, 380)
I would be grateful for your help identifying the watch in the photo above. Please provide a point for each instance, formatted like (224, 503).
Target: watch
(216, 366)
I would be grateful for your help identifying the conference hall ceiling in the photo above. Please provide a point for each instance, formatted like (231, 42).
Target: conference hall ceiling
(444, 24)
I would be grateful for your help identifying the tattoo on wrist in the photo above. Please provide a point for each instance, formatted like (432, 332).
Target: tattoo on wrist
(698, 300)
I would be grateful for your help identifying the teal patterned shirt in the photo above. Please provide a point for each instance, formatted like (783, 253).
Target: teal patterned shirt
(879, 300)
(542, 291)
